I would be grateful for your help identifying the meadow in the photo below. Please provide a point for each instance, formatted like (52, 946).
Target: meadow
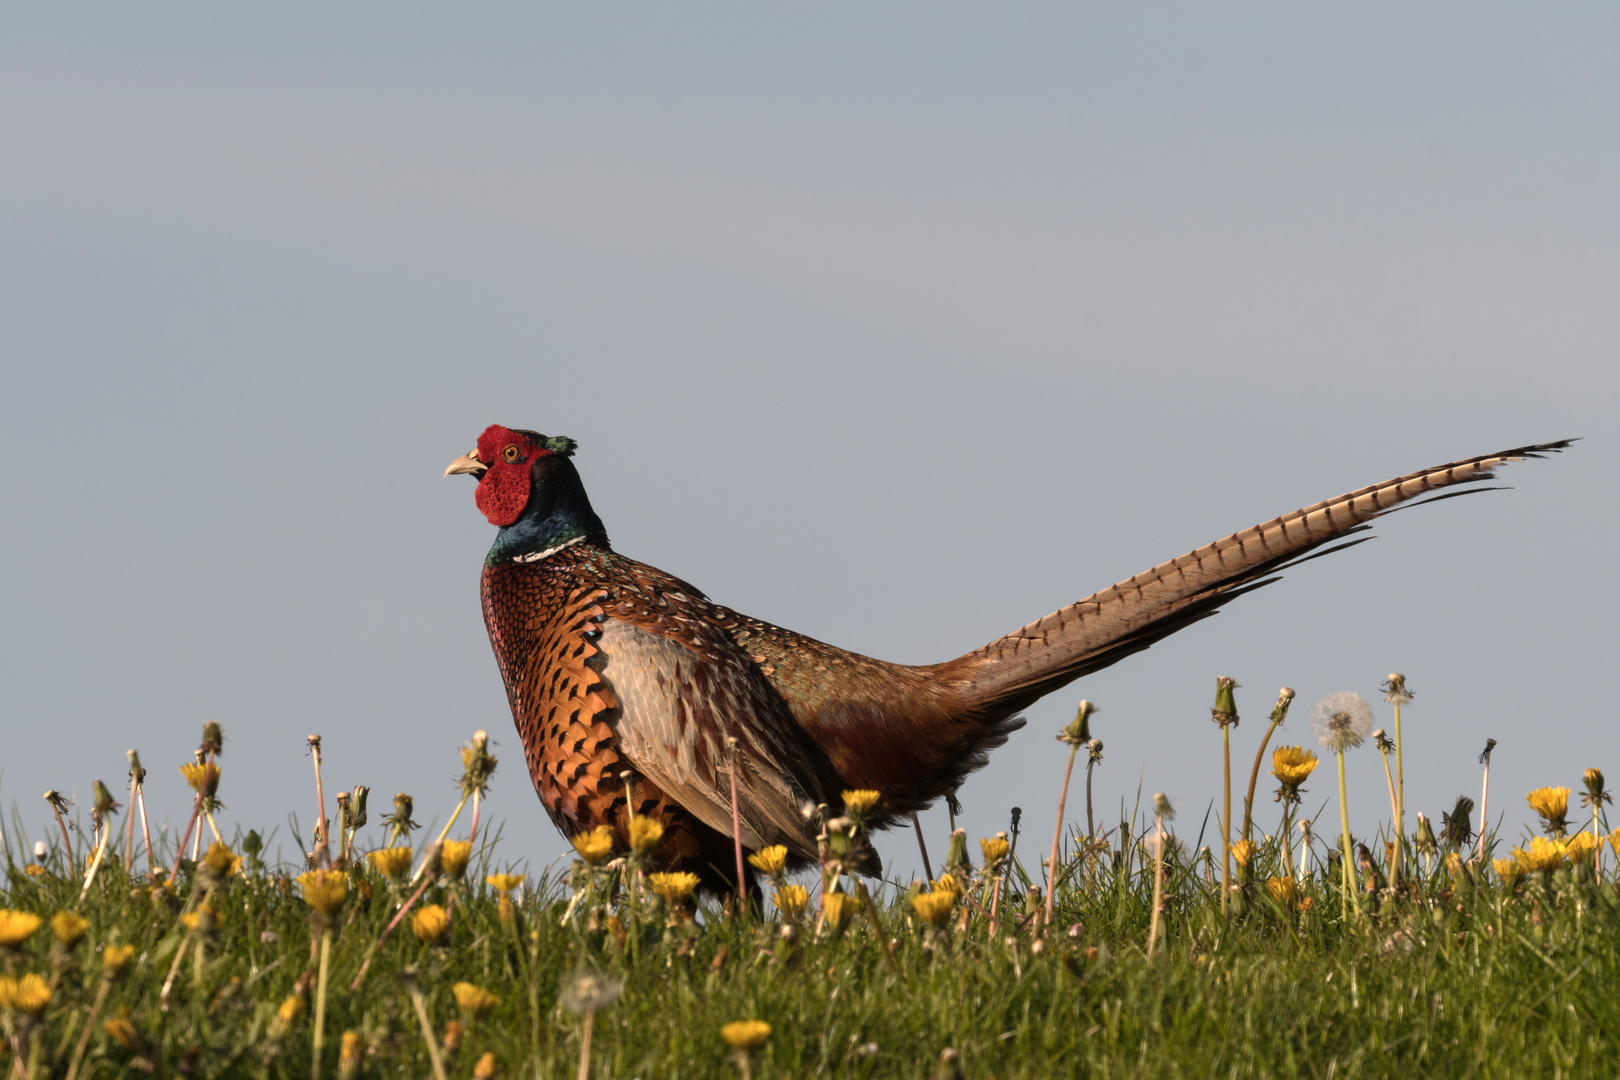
(1245, 946)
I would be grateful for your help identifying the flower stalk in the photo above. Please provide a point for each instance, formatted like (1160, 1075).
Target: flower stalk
(1279, 713)
(1396, 693)
(1225, 714)
(1076, 734)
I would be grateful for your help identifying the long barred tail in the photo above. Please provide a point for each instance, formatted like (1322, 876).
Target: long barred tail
(1013, 671)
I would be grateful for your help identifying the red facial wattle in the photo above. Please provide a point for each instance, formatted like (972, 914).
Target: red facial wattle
(503, 491)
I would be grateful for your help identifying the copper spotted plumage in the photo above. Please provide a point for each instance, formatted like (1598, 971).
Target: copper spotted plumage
(615, 668)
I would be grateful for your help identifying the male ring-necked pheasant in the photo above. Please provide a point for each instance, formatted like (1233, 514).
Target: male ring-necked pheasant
(611, 665)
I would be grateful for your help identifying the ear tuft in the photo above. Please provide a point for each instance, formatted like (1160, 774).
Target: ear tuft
(562, 445)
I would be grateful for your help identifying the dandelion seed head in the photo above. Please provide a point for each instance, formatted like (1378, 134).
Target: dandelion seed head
(1341, 721)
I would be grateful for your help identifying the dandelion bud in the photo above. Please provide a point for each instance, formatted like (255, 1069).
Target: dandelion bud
(1162, 807)
(956, 856)
(104, 803)
(357, 809)
(1225, 710)
(485, 1069)
(213, 739)
(836, 909)
(1095, 748)
(1595, 795)
(1079, 730)
(1425, 841)
(1243, 852)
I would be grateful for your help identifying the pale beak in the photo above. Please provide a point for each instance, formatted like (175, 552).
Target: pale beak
(467, 463)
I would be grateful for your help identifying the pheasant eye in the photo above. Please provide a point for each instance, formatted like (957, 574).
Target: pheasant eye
(510, 453)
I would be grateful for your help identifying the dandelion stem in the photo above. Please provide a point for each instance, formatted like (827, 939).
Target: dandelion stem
(916, 824)
(95, 864)
(1091, 828)
(426, 1024)
(319, 1042)
(146, 830)
(89, 1025)
(1254, 773)
(1057, 835)
(67, 844)
(1158, 881)
(472, 829)
(1484, 803)
(736, 829)
(320, 803)
(129, 821)
(585, 1045)
(1400, 798)
(196, 809)
(1344, 840)
(1389, 783)
(1226, 820)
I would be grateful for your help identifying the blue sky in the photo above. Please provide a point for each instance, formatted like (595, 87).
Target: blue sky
(900, 326)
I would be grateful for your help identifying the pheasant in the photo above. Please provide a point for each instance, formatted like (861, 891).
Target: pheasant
(618, 671)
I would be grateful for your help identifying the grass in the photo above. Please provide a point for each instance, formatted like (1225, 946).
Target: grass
(1456, 973)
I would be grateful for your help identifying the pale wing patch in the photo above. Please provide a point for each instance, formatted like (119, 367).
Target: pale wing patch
(675, 709)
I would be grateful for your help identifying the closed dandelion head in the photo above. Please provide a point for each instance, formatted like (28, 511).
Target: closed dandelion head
(745, 1035)
(1456, 828)
(645, 833)
(1162, 807)
(453, 858)
(1243, 852)
(351, 1051)
(836, 909)
(102, 800)
(1552, 803)
(473, 1000)
(288, 1012)
(596, 846)
(1078, 731)
(28, 994)
(588, 992)
(114, 958)
(1341, 721)
(124, 1033)
(1595, 794)
(994, 851)
(324, 890)
(1614, 841)
(485, 1068)
(392, 863)
(676, 888)
(1425, 839)
(860, 802)
(1394, 688)
(16, 927)
(431, 924)
(504, 883)
(769, 860)
(68, 928)
(791, 900)
(1224, 711)
(1284, 890)
(934, 908)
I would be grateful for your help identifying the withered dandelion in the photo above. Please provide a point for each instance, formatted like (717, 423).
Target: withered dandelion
(430, 923)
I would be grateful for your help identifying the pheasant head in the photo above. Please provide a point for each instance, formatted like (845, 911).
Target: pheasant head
(528, 486)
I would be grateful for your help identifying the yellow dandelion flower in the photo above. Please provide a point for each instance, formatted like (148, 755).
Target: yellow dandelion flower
(1581, 847)
(204, 779)
(29, 994)
(351, 1049)
(431, 923)
(596, 846)
(1243, 852)
(288, 1012)
(769, 860)
(836, 909)
(746, 1035)
(1454, 866)
(1508, 870)
(948, 883)
(994, 851)
(935, 907)
(324, 890)
(674, 887)
(474, 1000)
(123, 1033)
(504, 883)
(1552, 803)
(791, 900)
(115, 957)
(1284, 890)
(644, 834)
(1292, 765)
(1543, 854)
(1614, 841)
(392, 863)
(16, 927)
(861, 801)
(485, 1069)
(221, 861)
(454, 855)
(34, 870)
(68, 927)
